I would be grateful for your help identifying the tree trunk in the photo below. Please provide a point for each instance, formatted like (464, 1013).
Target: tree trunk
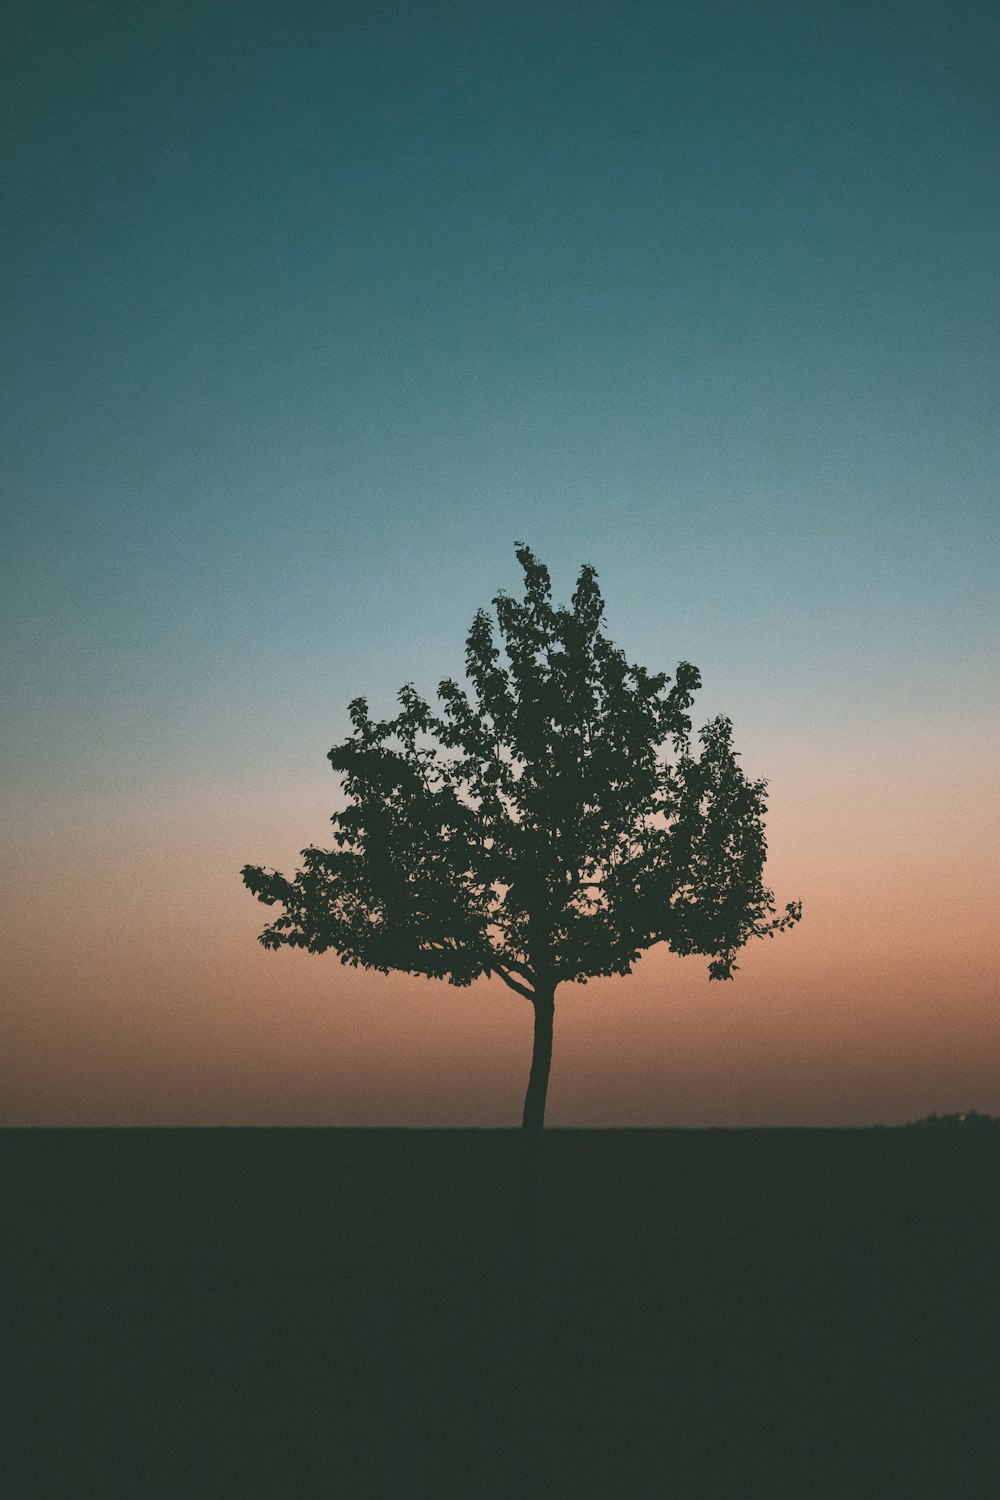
(531, 1131)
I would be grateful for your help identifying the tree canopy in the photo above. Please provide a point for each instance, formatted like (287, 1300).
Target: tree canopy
(549, 820)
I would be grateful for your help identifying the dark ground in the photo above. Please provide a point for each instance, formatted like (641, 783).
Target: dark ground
(333, 1313)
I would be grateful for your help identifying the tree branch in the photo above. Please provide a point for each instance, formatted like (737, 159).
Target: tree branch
(519, 989)
(514, 966)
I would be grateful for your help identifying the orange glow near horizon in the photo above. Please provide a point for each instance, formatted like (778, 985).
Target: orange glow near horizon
(142, 997)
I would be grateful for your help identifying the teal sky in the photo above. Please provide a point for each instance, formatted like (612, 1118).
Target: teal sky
(312, 310)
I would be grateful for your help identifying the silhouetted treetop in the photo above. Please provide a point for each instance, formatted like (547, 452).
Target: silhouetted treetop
(548, 820)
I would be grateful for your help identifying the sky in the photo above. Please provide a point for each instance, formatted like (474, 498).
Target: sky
(311, 311)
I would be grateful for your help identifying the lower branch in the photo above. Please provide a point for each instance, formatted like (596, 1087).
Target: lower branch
(514, 984)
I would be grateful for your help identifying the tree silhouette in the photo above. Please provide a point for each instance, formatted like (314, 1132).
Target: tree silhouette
(533, 826)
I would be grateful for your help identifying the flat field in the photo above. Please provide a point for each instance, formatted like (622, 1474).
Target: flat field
(802, 1313)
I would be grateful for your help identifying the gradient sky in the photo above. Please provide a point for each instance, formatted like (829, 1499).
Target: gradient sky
(311, 311)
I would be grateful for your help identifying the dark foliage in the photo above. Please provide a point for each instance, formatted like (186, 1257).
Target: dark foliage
(968, 1120)
(533, 826)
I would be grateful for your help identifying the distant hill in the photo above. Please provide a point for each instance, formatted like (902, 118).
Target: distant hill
(970, 1120)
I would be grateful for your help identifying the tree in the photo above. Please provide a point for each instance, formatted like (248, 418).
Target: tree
(533, 827)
